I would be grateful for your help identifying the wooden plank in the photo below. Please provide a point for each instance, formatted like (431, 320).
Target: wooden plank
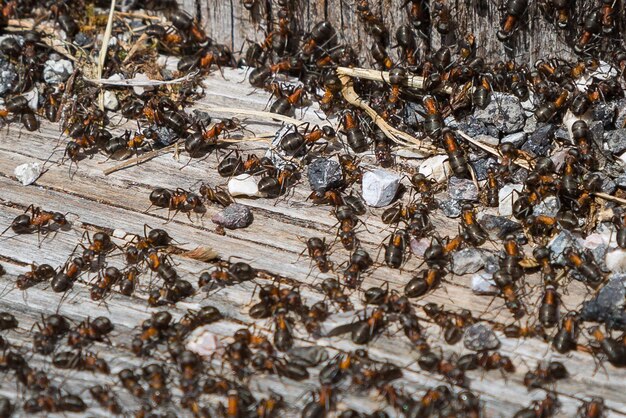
(87, 179)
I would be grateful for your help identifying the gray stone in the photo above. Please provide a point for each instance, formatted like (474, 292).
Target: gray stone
(549, 206)
(621, 181)
(481, 166)
(604, 112)
(504, 112)
(559, 243)
(413, 112)
(620, 114)
(616, 140)
(480, 337)
(201, 117)
(562, 134)
(57, 71)
(519, 176)
(473, 127)
(597, 131)
(324, 174)
(468, 260)
(608, 185)
(82, 39)
(164, 135)
(492, 264)
(538, 143)
(517, 139)
(531, 125)
(234, 216)
(483, 284)
(498, 226)
(462, 189)
(608, 305)
(450, 207)
(8, 77)
(379, 187)
(506, 197)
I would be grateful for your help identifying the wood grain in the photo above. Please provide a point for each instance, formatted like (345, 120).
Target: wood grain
(273, 244)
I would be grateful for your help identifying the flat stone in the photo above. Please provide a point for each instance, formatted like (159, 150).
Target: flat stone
(483, 284)
(379, 187)
(497, 226)
(506, 197)
(549, 206)
(436, 168)
(517, 139)
(504, 112)
(616, 140)
(620, 114)
(481, 166)
(57, 71)
(538, 142)
(480, 337)
(27, 173)
(609, 301)
(165, 135)
(450, 207)
(462, 189)
(531, 124)
(234, 216)
(244, 185)
(468, 260)
(325, 174)
(559, 243)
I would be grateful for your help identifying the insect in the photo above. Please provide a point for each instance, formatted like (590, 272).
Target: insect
(38, 220)
(318, 251)
(514, 11)
(545, 375)
(565, 338)
(423, 282)
(37, 274)
(395, 250)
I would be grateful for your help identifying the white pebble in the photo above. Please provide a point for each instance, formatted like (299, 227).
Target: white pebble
(27, 173)
(244, 185)
(379, 187)
(119, 233)
(203, 342)
(506, 197)
(110, 101)
(436, 168)
(483, 284)
(616, 261)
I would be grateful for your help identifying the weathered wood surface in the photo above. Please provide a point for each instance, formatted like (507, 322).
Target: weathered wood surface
(229, 23)
(273, 244)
